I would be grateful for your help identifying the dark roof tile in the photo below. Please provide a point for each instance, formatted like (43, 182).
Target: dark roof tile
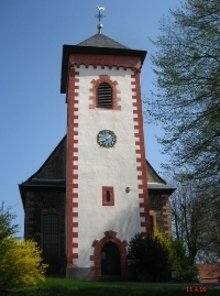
(100, 40)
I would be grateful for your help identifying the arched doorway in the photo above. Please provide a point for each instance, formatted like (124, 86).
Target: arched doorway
(110, 259)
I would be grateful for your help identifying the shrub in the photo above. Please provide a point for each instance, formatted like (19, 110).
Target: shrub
(149, 258)
(178, 258)
(21, 264)
(20, 261)
(189, 274)
(176, 250)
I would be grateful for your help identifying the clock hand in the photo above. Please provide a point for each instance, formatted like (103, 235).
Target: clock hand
(107, 137)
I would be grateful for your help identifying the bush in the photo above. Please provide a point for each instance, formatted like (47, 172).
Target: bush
(20, 261)
(149, 258)
(176, 250)
(178, 258)
(188, 275)
(21, 264)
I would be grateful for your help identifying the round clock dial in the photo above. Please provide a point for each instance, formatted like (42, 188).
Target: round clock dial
(106, 138)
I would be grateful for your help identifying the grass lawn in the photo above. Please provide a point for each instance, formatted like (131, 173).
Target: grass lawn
(66, 287)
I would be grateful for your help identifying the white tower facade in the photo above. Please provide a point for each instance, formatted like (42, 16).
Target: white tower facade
(106, 197)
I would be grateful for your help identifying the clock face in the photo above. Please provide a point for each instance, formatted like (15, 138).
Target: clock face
(106, 138)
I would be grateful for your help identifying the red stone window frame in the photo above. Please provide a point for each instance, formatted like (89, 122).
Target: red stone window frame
(94, 93)
(108, 198)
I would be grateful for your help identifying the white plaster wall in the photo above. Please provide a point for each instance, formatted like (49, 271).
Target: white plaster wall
(98, 167)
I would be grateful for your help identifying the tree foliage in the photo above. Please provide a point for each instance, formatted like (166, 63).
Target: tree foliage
(177, 253)
(20, 261)
(154, 257)
(21, 265)
(149, 257)
(6, 227)
(180, 261)
(187, 103)
(195, 220)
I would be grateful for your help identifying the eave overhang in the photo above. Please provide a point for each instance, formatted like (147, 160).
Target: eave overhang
(40, 184)
(91, 50)
(160, 188)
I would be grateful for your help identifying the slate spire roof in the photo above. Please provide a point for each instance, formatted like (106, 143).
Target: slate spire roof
(100, 40)
(98, 44)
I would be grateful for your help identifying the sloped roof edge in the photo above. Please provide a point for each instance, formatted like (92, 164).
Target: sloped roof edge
(47, 159)
(33, 181)
(101, 40)
(162, 180)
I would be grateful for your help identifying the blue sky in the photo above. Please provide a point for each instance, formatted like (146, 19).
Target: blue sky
(33, 112)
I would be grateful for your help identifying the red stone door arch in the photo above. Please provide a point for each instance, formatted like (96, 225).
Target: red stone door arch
(99, 246)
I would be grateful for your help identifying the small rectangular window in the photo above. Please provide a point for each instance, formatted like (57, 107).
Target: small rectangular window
(108, 196)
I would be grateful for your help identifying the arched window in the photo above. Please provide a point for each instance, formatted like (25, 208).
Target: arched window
(104, 96)
(50, 234)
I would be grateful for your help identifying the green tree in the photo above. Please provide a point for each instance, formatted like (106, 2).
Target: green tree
(177, 254)
(6, 227)
(187, 100)
(195, 219)
(149, 257)
(179, 260)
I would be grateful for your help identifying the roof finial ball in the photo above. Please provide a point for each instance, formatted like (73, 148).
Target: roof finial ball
(99, 16)
(100, 26)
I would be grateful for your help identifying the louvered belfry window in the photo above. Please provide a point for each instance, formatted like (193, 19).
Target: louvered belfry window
(104, 96)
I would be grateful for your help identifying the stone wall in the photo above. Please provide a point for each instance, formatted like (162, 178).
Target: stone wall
(159, 204)
(39, 203)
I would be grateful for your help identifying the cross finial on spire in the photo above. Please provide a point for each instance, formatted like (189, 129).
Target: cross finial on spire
(100, 16)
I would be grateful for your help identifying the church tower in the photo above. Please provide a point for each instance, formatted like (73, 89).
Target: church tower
(106, 184)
